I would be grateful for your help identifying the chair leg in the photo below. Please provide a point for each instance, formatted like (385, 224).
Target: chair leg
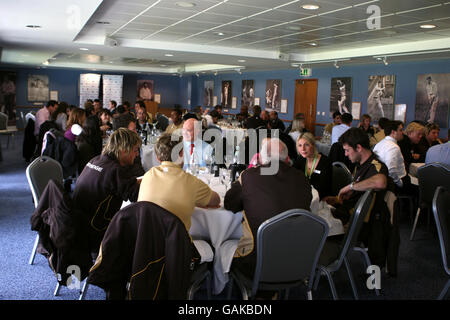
(367, 262)
(444, 291)
(415, 224)
(331, 282)
(33, 252)
(350, 276)
(84, 290)
(56, 292)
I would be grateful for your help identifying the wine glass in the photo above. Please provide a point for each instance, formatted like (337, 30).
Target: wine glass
(228, 160)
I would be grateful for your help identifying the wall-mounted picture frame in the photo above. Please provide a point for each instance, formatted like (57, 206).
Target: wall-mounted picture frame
(38, 87)
(248, 94)
(380, 100)
(356, 110)
(208, 93)
(157, 97)
(284, 106)
(400, 112)
(145, 90)
(226, 94)
(234, 103)
(215, 101)
(273, 94)
(433, 98)
(341, 95)
(257, 101)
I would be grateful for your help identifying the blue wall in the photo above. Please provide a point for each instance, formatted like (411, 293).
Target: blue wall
(66, 82)
(405, 90)
(182, 90)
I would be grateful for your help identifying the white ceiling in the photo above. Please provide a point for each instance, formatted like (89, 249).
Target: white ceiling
(219, 35)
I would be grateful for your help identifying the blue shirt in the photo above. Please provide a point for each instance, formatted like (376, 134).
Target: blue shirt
(338, 131)
(439, 153)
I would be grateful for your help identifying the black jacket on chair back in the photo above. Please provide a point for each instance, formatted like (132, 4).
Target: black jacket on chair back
(147, 247)
(62, 239)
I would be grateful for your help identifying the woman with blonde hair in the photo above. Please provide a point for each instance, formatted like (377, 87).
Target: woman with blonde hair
(298, 127)
(75, 123)
(317, 167)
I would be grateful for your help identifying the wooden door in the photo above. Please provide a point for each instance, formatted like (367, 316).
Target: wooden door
(305, 101)
(152, 107)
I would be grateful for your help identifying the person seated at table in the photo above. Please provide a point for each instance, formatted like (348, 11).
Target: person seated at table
(77, 117)
(316, 166)
(365, 125)
(388, 151)
(105, 121)
(215, 119)
(105, 183)
(262, 196)
(379, 135)
(143, 122)
(177, 122)
(255, 121)
(439, 153)
(218, 108)
(298, 127)
(140, 105)
(173, 189)
(370, 174)
(266, 118)
(337, 119)
(89, 142)
(123, 116)
(338, 130)
(194, 146)
(429, 139)
(275, 122)
(411, 137)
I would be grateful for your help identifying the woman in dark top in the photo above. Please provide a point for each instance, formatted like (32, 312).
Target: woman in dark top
(316, 166)
(89, 142)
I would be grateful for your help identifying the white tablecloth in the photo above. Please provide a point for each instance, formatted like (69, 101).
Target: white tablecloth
(413, 167)
(323, 210)
(148, 156)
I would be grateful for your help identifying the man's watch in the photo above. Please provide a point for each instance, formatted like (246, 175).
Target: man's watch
(351, 186)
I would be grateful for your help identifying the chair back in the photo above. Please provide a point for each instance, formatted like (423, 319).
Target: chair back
(356, 222)
(3, 121)
(441, 211)
(431, 176)
(39, 172)
(341, 177)
(288, 248)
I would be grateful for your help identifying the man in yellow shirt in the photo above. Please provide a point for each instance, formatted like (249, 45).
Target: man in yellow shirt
(172, 188)
(177, 122)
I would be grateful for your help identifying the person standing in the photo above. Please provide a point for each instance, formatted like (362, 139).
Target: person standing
(44, 115)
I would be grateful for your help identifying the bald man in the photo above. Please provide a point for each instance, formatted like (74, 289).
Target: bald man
(194, 145)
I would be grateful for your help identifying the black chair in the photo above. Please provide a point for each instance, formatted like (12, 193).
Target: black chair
(430, 176)
(341, 177)
(441, 211)
(288, 249)
(39, 173)
(335, 254)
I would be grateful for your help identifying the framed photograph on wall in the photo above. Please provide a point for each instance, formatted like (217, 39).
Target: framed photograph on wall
(433, 98)
(341, 95)
(145, 90)
(208, 93)
(226, 94)
(273, 95)
(157, 98)
(38, 87)
(257, 102)
(356, 110)
(284, 106)
(248, 94)
(234, 103)
(380, 101)
(400, 112)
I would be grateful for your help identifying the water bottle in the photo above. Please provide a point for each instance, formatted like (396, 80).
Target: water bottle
(193, 163)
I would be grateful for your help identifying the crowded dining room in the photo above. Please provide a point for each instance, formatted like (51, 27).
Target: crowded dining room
(209, 153)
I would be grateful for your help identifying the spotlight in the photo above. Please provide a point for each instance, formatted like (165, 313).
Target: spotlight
(385, 61)
(336, 64)
(215, 73)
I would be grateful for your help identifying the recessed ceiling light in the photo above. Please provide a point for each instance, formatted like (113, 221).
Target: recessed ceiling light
(242, 60)
(103, 22)
(310, 7)
(312, 44)
(219, 33)
(169, 55)
(163, 65)
(20, 61)
(295, 28)
(84, 49)
(45, 63)
(428, 26)
(185, 4)
(33, 26)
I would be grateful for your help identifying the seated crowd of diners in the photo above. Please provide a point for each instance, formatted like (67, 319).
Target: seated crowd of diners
(110, 174)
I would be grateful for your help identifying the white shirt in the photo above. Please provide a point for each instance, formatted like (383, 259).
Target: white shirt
(338, 131)
(389, 152)
(41, 116)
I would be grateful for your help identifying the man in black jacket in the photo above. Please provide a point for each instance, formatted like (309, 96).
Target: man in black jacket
(105, 183)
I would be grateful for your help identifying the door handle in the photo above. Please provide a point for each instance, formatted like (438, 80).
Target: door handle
(310, 110)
